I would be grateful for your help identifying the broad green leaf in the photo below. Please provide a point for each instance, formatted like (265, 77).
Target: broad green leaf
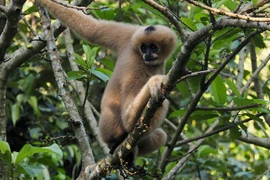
(244, 102)
(109, 63)
(76, 75)
(169, 167)
(32, 171)
(103, 70)
(189, 23)
(79, 60)
(205, 150)
(177, 113)
(34, 104)
(90, 55)
(233, 87)
(204, 115)
(218, 91)
(100, 75)
(29, 150)
(235, 132)
(15, 112)
(5, 152)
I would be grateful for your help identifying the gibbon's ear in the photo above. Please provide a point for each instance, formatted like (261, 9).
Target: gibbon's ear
(160, 36)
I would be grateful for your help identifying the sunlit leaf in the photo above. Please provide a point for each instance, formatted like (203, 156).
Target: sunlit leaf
(205, 150)
(79, 60)
(15, 112)
(218, 91)
(34, 104)
(76, 75)
(5, 152)
(100, 75)
(29, 150)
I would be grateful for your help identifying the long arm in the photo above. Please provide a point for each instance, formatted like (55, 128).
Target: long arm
(108, 34)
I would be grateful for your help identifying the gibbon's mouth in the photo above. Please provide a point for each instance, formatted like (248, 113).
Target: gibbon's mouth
(150, 59)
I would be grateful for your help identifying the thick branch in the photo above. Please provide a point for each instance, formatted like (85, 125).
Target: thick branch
(251, 139)
(62, 84)
(13, 13)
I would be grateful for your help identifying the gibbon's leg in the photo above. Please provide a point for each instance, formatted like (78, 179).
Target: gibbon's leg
(133, 109)
(152, 142)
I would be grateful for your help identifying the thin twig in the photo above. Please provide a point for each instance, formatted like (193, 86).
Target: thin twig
(3, 9)
(83, 9)
(229, 14)
(194, 74)
(228, 109)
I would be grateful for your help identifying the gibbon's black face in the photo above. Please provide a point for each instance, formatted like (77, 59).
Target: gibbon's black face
(149, 52)
(154, 44)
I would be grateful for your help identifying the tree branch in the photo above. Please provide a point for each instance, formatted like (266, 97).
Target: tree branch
(229, 108)
(81, 92)
(62, 84)
(172, 18)
(229, 14)
(13, 12)
(251, 139)
(193, 105)
(3, 9)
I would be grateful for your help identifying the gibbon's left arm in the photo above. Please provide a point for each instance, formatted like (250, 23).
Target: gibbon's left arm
(112, 35)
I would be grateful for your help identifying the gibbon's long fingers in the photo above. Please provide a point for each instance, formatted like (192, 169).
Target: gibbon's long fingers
(154, 85)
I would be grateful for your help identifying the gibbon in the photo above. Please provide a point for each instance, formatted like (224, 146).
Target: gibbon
(142, 52)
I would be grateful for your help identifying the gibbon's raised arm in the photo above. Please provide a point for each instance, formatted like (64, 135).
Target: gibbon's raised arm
(105, 33)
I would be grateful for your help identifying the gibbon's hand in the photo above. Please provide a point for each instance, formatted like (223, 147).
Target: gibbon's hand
(154, 85)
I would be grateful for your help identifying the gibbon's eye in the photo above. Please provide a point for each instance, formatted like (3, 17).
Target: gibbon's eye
(143, 48)
(153, 48)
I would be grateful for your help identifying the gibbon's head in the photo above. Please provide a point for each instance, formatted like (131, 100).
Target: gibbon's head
(154, 43)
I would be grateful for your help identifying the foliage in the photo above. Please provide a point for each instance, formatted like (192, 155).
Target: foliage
(30, 161)
(34, 107)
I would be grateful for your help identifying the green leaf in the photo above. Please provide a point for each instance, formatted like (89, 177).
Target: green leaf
(233, 87)
(106, 71)
(32, 171)
(90, 55)
(79, 60)
(205, 150)
(99, 74)
(235, 132)
(34, 104)
(204, 115)
(6, 152)
(189, 23)
(29, 150)
(15, 110)
(242, 102)
(177, 113)
(76, 75)
(218, 91)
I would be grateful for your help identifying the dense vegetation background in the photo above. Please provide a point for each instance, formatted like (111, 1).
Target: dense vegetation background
(218, 121)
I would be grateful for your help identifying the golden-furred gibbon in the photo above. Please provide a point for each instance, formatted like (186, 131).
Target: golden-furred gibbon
(142, 52)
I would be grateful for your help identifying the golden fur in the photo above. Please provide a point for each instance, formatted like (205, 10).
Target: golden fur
(133, 81)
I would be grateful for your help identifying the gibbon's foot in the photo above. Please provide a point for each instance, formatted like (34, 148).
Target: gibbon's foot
(152, 142)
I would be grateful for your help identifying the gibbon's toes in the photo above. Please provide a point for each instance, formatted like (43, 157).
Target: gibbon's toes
(155, 84)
